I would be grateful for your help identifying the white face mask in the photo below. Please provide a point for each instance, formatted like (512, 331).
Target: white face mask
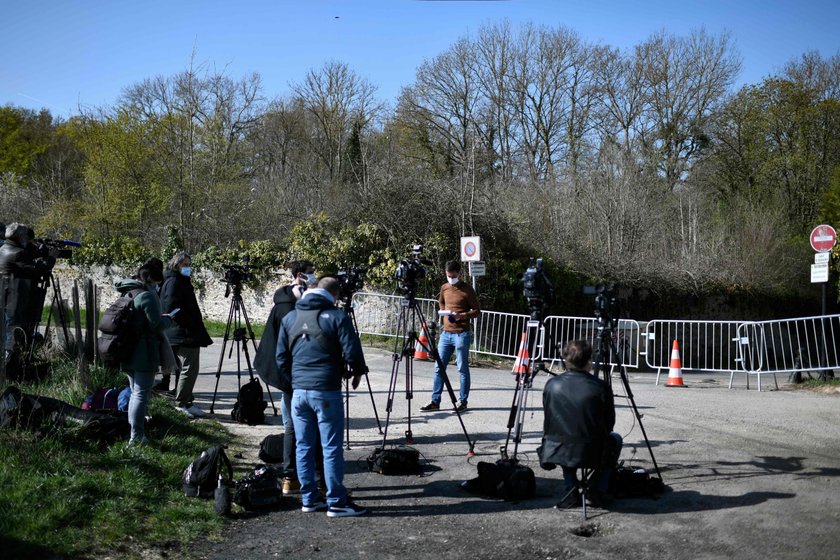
(186, 271)
(453, 281)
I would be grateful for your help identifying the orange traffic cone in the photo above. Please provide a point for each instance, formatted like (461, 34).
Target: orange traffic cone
(522, 358)
(675, 371)
(420, 352)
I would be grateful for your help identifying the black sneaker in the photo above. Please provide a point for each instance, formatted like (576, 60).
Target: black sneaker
(431, 406)
(320, 505)
(461, 406)
(348, 509)
(571, 501)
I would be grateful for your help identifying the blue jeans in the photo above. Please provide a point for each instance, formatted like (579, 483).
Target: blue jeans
(460, 344)
(601, 476)
(314, 413)
(141, 388)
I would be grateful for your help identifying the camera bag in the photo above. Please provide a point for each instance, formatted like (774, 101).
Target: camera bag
(399, 459)
(503, 479)
(271, 449)
(259, 491)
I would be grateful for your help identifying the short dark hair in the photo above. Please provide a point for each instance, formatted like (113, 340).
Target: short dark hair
(151, 271)
(453, 266)
(577, 354)
(300, 267)
(330, 284)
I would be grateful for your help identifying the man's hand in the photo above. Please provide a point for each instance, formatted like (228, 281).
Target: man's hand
(356, 380)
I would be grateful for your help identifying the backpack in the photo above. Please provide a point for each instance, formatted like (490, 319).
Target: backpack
(250, 405)
(103, 399)
(504, 479)
(627, 482)
(260, 490)
(271, 449)
(118, 339)
(201, 477)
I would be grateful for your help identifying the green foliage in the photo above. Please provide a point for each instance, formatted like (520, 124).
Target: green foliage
(127, 252)
(173, 244)
(70, 497)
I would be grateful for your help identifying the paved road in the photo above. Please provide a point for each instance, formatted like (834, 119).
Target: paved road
(750, 475)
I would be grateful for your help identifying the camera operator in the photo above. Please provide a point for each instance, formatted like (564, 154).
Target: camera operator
(457, 297)
(265, 362)
(313, 343)
(579, 419)
(18, 263)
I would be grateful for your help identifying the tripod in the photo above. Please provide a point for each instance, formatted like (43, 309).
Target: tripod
(241, 336)
(348, 309)
(57, 303)
(606, 354)
(524, 382)
(410, 315)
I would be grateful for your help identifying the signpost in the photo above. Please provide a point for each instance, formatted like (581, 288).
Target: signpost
(471, 249)
(823, 239)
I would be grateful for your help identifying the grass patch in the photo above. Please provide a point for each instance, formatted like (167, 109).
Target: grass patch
(217, 329)
(65, 495)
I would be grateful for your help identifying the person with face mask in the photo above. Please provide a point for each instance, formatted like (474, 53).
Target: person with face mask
(265, 362)
(460, 300)
(148, 322)
(187, 333)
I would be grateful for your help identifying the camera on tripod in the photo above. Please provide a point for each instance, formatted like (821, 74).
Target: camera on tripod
(537, 288)
(63, 246)
(410, 271)
(350, 281)
(606, 302)
(235, 274)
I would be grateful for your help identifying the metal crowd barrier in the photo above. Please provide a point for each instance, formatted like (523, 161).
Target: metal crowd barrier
(803, 344)
(377, 314)
(560, 330)
(704, 345)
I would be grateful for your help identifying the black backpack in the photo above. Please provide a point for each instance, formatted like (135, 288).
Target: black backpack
(250, 406)
(201, 477)
(271, 449)
(118, 339)
(399, 459)
(504, 479)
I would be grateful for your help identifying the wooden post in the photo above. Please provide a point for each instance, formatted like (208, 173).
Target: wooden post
(3, 329)
(84, 366)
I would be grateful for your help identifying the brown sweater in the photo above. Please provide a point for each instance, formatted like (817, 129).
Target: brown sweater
(461, 299)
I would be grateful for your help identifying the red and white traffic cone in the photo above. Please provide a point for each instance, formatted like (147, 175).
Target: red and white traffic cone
(675, 371)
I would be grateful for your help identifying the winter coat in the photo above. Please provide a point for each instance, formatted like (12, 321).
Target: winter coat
(26, 271)
(188, 328)
(319, 365)
(579, 414)
(265, 360)
(148, 321)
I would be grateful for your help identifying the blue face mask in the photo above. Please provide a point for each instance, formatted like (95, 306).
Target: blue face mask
(186, 271)
(311, 279)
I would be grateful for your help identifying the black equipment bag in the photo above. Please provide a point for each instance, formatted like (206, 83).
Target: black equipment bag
(504, 479)
(117, 339)
(271, 449)
(261, 490)
(627, 482)
(201, 477)
(399, 459)
(250, 405)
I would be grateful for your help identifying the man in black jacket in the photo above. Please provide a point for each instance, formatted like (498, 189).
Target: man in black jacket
(23, 272)
(265, 362)
(578, 423)
(187, 335)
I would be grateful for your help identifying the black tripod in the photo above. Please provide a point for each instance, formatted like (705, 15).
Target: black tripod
(241, 336)
(524, 382)
(411, 315)
(57, 304)
(347, 305)
(606, 354)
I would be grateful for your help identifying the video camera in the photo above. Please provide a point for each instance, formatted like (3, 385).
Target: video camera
(537, 289)
(350, 281)
(63, 246)
(411, 270)
(606, 303)
(235, 274)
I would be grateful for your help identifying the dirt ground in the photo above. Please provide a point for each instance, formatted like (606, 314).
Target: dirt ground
(749, 474)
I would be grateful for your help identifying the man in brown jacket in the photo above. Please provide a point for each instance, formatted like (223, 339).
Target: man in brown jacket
(459, 299)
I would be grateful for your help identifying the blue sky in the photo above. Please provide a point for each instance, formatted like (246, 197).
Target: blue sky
(58, 54)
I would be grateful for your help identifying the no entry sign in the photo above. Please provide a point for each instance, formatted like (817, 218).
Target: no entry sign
(823, 238)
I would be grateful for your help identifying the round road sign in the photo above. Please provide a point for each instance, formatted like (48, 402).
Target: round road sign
(823, 238)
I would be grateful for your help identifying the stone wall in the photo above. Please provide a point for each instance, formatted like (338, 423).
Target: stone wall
(210, 290)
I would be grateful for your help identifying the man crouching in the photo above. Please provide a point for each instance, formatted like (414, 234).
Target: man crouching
(313, 344)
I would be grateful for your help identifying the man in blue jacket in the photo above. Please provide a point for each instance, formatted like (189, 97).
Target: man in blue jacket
(315, 342)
